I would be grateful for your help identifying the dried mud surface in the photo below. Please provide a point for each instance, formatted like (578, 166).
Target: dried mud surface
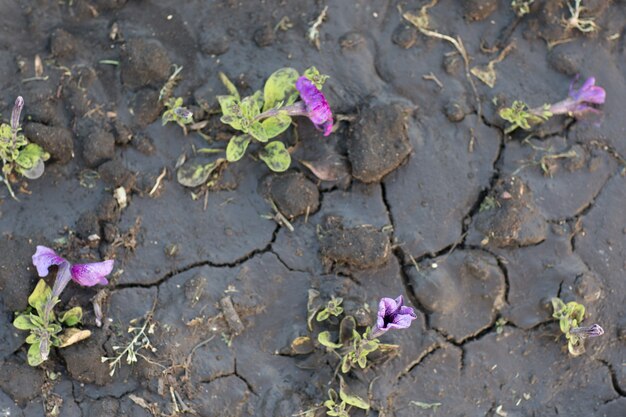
(402, 208)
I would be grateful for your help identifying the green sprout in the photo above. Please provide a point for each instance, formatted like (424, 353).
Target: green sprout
(47, 329)
(521, 117)
(19, 156)
(570, 316)
(177, 113)
(333, 308)
(521, 7)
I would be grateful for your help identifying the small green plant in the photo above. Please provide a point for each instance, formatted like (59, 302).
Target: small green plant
(177, 113)
(340, 405)
(521, 7)
(264, 115)
(47, 329)
(333, 308)
(570, 316)
(44, 326)
(19, 156)
(521, 117)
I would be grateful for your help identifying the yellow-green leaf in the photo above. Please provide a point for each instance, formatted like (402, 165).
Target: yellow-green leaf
(72, 317)
(39, 296)
(34, 355)
(324, 339)
(237, 146)
(280, 88)
(23, 322)
(276, 125)
(229, 85)
(276, 156)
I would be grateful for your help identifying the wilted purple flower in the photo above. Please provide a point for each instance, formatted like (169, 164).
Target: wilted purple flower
(86, 275)
(579, 101)
(591, 331)
(15, 114)
(317, 108)
(392, 314)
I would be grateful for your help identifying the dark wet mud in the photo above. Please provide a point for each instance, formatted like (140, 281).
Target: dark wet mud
(418, 192)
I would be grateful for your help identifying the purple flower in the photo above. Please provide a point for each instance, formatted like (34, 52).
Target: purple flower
(317, 107)
(15, 114)
(579, 101)
(392, 314)
(86, 275)
(591, 331)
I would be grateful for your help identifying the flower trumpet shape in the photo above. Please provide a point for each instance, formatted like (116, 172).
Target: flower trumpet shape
(580, 101)
(392, 314)
(317, 108)
(86, 275)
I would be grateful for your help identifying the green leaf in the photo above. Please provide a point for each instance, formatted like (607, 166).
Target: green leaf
(250, 106)
(314, 75)
(276, 125)
(346, 364)
(353, 400)
(32, 338)
(346, 329)
(370, 346)
(237, 146)
(322, 315)
(229, 85)
(276, 156)
(34, 355)
(30, 156)
(362, 361)
(72, 317)
(280, 87)
(39, 296)
(564, 325)
(577, 311)
(23, 322)
(194, 173)
(257, 130)
(324, 339)
(558, 306)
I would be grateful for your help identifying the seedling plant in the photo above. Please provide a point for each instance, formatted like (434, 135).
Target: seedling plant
(570, 316)
(19, 156)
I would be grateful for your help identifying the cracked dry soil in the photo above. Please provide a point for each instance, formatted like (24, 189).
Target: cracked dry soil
(422, 196)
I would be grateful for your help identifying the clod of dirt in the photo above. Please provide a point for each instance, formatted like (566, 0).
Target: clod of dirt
(565, 62)
(510, 216)
(115, 174)
(479, 9)
(144, 62)
(123, 134)
(109, 4)
(62, 44)
(213, 43)
(109, 210)
(146, 107)
(264, 36)
(359, 247)
(227, 396)
(463, 292)
(110, 232)
(57, 141)
(22, 383)
(87, 225)
(83, 361)
(144, 144)
(404, 35)
(379, 143)
(294, 194)
(454, 111)
(98, 147)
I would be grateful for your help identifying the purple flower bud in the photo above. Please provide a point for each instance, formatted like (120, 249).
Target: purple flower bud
(15, 114)
(392, 314)
(580, 101)
(317, 107)
(591, 331)
(86, 275)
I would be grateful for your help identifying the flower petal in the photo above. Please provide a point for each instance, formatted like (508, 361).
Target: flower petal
(44, 258)
(89, 275)
(317, 107)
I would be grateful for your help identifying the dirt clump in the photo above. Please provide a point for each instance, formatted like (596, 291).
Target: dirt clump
(144, 62)
(57, 141)
(294, 194)
(98, 147)
(359, 247)
(379, 142)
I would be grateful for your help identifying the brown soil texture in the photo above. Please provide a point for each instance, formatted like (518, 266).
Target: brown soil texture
(418, 192)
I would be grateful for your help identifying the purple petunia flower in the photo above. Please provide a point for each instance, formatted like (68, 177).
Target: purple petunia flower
(392, 314)
(317, 107)
(579, 101)
(591, 331)
(86, 275)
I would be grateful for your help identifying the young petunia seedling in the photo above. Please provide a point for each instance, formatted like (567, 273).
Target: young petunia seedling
(570, 316)
(264, 115)
(19, 156)
(578, 104)
(46, 328)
